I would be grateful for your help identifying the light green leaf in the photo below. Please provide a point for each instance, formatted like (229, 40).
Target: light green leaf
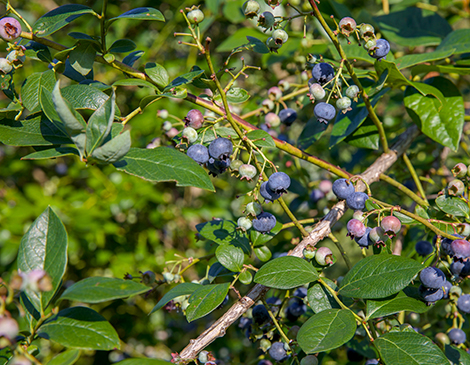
(136, 82)
(30, 91)
(85, 97)
(82, 57)
(58, 18)
(397, 303)
(261, 138)
(99, 125)
(205, 299)
(68, 357)
(176, 292)
(230, 257)
(157, 73)
(72, 124)
(113, 150)
(452, 205)
(51, 153)
(237, 95)
(457, 41)
(414, 59)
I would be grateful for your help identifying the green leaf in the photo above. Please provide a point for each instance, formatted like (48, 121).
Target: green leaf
(122, 46)
(183, 79)
(442, 123)
(82, 328)
(30, 91)
(38, 52)
(157, 74)
(205, 299)
(44, 247)
(72, 124)
(231, 257)
(424, 69)
(379, 276)
(238, 39)
(165, 164)
(457, 356)
(32, 131)
(237, 95)
(260, 239)
(414, 27)
(457, 42)
(261, 138)
(366, 136)
(136, 82)
(326, 330)
(257, 45)
(451, 205)
(5, 355)
(224, 232)
(144, 13)
(397, 303)
(113, 150)
(101, 289)
(99, 125)
(311, 133)
(142, 361)
(409, 348)
(286, 273)
(68, 357)
(52, 153)
(82, 57)
(58, 18)
(85, 97)
(263, 253)
(414, 59)
(131, 58)
(320, 298)
(178, 291)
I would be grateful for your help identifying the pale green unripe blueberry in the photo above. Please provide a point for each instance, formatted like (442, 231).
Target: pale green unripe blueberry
(465, 229)
(5, 65)
(456, 290)
(456, 187)
(266, 19)
(272, 45)
(324, 256)
(235, 164)
(168, 276)
(268, 104)
(166, 126)
(309, 254)
(253, 209)
(352, 91)
(366, 30)
(309, 360)
(196, 16)
(247, 171)
(343, 103)
(163, 113)
(371, 43)
(459, 170)
(264, 344)
(317, 91)
(250, 8)
(442, 339)
(190, 134)
(280, 36)
(284, 84)
(202, 357)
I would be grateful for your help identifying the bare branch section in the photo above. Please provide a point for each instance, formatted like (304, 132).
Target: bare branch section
(321, 230)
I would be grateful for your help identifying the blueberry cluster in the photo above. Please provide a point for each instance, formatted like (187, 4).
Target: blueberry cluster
(345, 190)
(297, 307)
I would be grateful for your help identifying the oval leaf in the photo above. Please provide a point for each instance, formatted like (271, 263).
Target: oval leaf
(399, 302)
(58, 18)
(157, 73)
(230, 257)
(100, 123)
(454, 206)
(101, 289)
(177, 291)
(80, 327)
(82, 57)
(224, 232)
(261, 138)
(183, 79)
(237, 95)
(379, 276)
(286, 273)
(114, 150)
(205, 299)
(457, 356)
(68, 357)
(326, 330)
(144, 13)
(30, 91)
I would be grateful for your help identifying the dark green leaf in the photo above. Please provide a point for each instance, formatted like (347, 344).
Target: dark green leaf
(143, 13)
(136, 82)
(409, 348)
(442, 123)
(311, 133)
(38, 51)
(99, 124)
(457, 356)
(366, 136)
(44, 247)
(183, 80)
(414, 27)
(451, 205)
(178, 291)
(326, 330)
(379, 276)
(52, 153)
(114, 150)
(457, 42)
(205, 299)
(157, 73)
(286, 273)
(165, 164)
(68, 357)
(424, 69)
(82, 328)
(320, 298)
(414, 59)
(101, 289)
(30, 91)
(239, 38)
(261, 138)
(397, 303)
(5, 355)
(224, 232)
(258, 46)
(58, 18)
(83, 36)
(142, 361)
(130, 59)
(82, 57)
(122, 46)
(71, 122)
(230, 257)
(237, 95)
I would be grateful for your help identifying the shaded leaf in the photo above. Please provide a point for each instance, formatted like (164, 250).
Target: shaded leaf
(144, 13)
(68, 357)
(30, 91)
(136, 82)
(183, 80)
(122, 46)
(142, 361)
(457, 356)
(176, 292)
(311, 133)
(58, 18)
(157, 73)
(366, 136)
(205, 299)
(224, 232)
(51, 153)
(99, 124)
(114, 150)
(130, 59)
(82, 57)
(397, 303)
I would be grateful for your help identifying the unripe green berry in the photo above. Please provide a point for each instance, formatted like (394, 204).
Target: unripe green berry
(309, 254)
(272, 45)
(168, 276)
(244, 223)
(190, 134)
(343, 103)
(317, 91)
(245, 277)
(371, 43)
(366, 30)
(442, 339)
(268, 104)
(253, 209)
(163, 113)
(456, 187)
(5, 65)
(456, 290)
(266, 19)
(166, 126)
(347, 25)
(352, 91)
(202, 357)
(274, 93)
(280, 36)
(284, 85)
(264, 344)
(309, 360)
(195, 16)
(247, 171)
(251, 8)
(235, 164)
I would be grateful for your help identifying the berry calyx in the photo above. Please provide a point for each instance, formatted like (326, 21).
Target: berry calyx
(264, 222)
(324, 112)
(10, 28)
(459, 170)
(272, 45)
(456, 187)
(266, 19)
(366, 31)
(342, 188)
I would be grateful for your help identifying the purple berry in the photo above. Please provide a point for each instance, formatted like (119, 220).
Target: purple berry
(424, 248)
(347, 25)
(268, 195)
(372, 362)
(446, 289)
(264, 222)
(364, 240)
(457, 336)
(323, 72)
(391, 225)
(194, 119)
(460, 248)
(381, 49)
(198, 153)
(277, 351)
(432, 277)
(217, 167)
(316, 195)
(260, 314)
(446, 245)
(342, 188)
(288, 116)
(220, 148)
(272, 120)
(295, 310)
(456, 267)
(325, 186)
(430, 295)
(324, 112)
(265, 362)
(279, 182)
(357, 200)
(274, 93)
(10, 28)
(463, 303)
(355, 228)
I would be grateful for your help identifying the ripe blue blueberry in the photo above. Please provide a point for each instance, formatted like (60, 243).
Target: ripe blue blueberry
(364, 240)
(277, 351)
(268, 195)
(456, 267)
(323, 72)
(300, 292)
(279, 182)
(463, 303)
(220, 148)
(355, 228)
(446, 289)
(198, 153)
(446, 245)
(430, 295)
(381, 49)
(295, 310)
(432, 277)
(460, 248)
(264, 222)
(324, 112)
(260, 314)
(372, 362)
(357, 200)
(457, 336)
(217, 167)
(316, 195)
(342, 188)
(424, 248)
(288, 116)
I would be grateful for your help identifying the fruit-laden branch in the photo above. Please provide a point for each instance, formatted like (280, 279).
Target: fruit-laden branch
(321, 230)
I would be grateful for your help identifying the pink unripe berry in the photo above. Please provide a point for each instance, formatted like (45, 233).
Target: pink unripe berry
(356, 228)
(274, 93)
(324, 256)
(460, 248)
(391, 225)
(8, 328)
(347, 25)
(325, 186)
(194, 119)
(459, 170)
(272, 120)
(10, 28)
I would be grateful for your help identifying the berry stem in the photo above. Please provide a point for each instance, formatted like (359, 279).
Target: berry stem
(415, 177)
(341, 250)
(13, 10)
(404, 189)
(103, 27)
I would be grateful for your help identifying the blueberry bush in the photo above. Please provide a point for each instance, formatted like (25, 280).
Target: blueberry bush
(235, 182)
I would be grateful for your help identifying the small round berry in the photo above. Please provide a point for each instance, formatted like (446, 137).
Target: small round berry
(279, 182)
(264, 344)
(463, 303)
(465, 229)
(280, 36)
(430, 295)
(163, 113)
(244, 223)
(391, 225)
(381, 49)
(221, 148)
(358, 215)
(195, 16)
(364, 240)
(355, 228)
(267, 193)
(343, 103)
(247, 171)
(268, 104)
(342, 188)
(456, 267)
(357, 200)
(272, 120)
(166, 126)
(235, 164)
(284, 85)
(317, 91)
(265, 362)
(10, 28)
(366, 30)
(5, 65)
(19, 360)
(277, 351)
(148, 277)
(460, 248)
(264, 222)
(288, 116)
(295, 310)
(190, 134)
(442, 339)
(459, 170)
(202, 357)
(323, 72)
(371, 43)
(168, 276)
(274, 93)
(347, 25)
(457, 336)
(194, 119)
(352, 92)
(446, 245)
(456, 187)
(325, 186)
(324, 256)
(217, 167)
(424, 248)
(266, 19)
(316, 195)
(253, 209)
(260, 314)
(377, 235)
(273, 3)
(324, 112)
(456, 290)
(309, 254)
(9, 328)
(432, 277)
(309, 360)
(251, 8)
(446, 289)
